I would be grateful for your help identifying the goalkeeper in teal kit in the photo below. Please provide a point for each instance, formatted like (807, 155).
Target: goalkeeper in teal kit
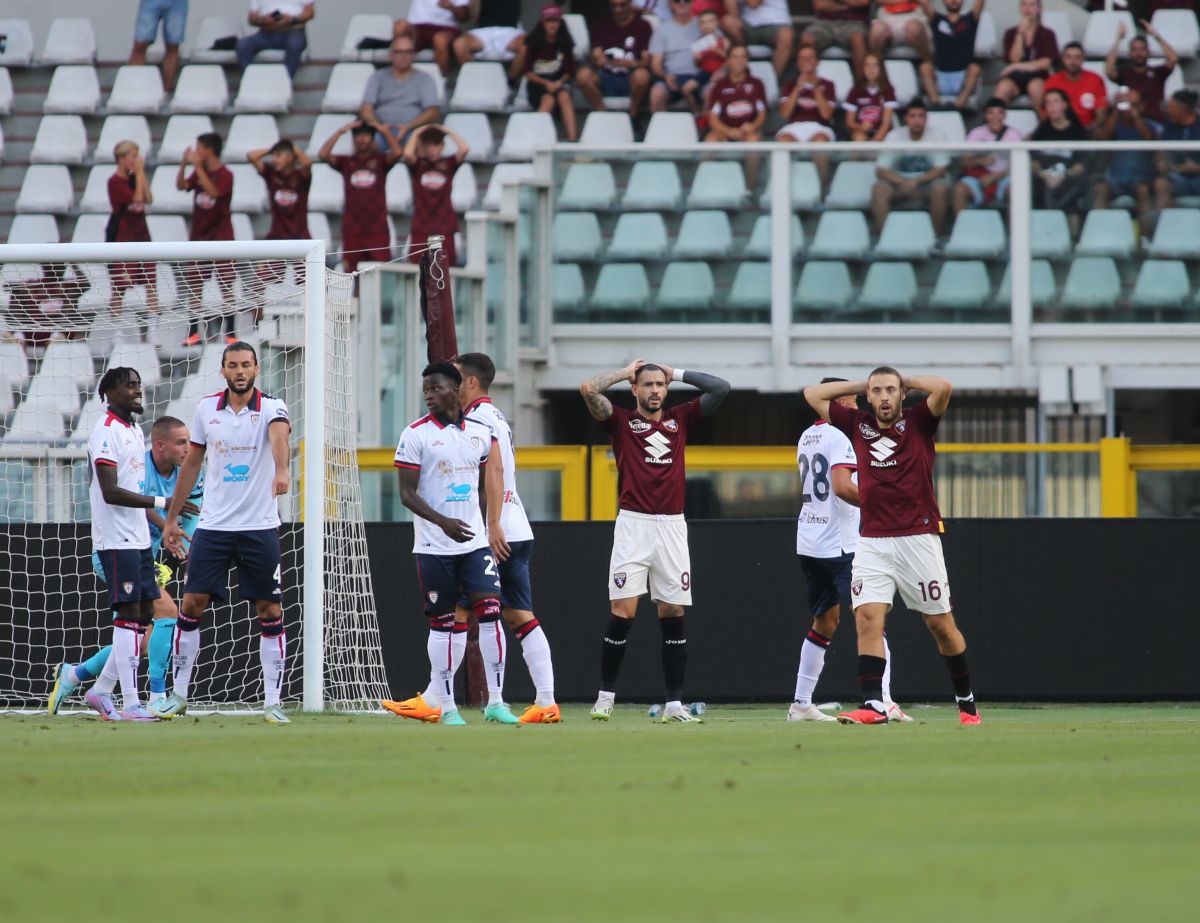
(169, 443)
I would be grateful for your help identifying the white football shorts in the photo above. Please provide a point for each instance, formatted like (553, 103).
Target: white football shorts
(650, 549)
(912, 564)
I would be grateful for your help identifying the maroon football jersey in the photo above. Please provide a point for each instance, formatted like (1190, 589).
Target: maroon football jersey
(868, 104)
(895, 470)
(650, 472)
(806, 100)
(432, 181)
(738, 103)
(210, 216)
(366, 201)
(289, 202)
(132, 224)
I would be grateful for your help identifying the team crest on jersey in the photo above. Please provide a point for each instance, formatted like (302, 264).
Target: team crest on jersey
(899, 426)
(672, 425)
(476, 442)
(127, 586)
(213, 422)
(856, 587)
(867, 431)
(254, 418)
(433, 597)
(639, 426)
(619, 579)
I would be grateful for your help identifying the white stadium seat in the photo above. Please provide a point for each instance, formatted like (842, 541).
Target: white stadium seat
(524, 132)
(18, 43)
(33, 229)
(211, 29)
(118, 128)
(765, 71)
(587, 186)
(951, 125)
(249, 190)
(60, 139)
(34, 425)
(903, 78)
(14, 365)
(137, 88)
(140, 356)
(264, 88)
(74, 88)
(1102, 30)
(839, 74)
(324, 126)
(46, 188)
(69, 360)
(69, 41)
(503, 174)
(475, 130)
(201, 88)
(243, 228)
(987, 43)
(578, 28)
(327, 192)
(164, 228)
(366, 25)
(482, 86)
(95, 191)
(439, 82)
(6, 92)
(345, 87)
(249, 133)
(465, 189)
(90, 229)
(180, 134)
(1059, 22)
(318, 229)
(166, 197)
(606, 128)
(1180, 28)
(670, 129)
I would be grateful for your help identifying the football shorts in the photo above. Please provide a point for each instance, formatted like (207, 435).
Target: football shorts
(650, 552)
(912, 564)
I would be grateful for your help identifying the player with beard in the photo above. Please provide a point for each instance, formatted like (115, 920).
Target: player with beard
(650, 537)
(899, 544)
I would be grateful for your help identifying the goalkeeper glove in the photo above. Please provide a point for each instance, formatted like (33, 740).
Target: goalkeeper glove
(162, 573)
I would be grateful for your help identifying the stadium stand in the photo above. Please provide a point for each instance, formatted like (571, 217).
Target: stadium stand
(74, 89)
(137, 88)
(70, 40)
(117, 128)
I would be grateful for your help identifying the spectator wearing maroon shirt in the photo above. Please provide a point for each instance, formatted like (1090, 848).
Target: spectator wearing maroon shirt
(871, 103)
(899, 22)
(212, 185)
(1030, 50)
(365, 233)
(899, 546)
(953, 73)
(432, 182)
(807, 104)
(739, 102)
(288, 175)
(548, 61)
(620, 61)
(1137, 73)
(128, 195)
(842, 23)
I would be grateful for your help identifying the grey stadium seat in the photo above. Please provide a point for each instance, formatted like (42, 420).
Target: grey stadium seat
(686, 286)
(576, 237)
(639, 236)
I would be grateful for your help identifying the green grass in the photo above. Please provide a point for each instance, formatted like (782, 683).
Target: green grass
(1085, 813)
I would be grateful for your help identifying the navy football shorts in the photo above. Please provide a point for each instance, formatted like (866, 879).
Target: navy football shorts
(256, 554)
(128, 575)
(445, 579)
(516, 590)
(827, 581)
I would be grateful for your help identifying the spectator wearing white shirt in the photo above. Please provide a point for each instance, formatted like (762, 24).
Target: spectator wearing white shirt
(497, 35)
(913, 178)
(762, 22)
(280, 28)
(435, 24)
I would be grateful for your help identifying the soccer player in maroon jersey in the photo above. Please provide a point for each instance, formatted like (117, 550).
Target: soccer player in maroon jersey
(287, 171)
(650, 538)
(432, 181)
(212, 184)
(365, 236)
(899, 545)
(128, 195)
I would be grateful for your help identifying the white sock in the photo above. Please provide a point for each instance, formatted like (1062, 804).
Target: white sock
(887, 672)
(186, 649)
(125, 653)
(437, 645)
(606, 698)
(536, 651)
(458, 650)
(106, 682)
(272, 653)
(675, 704)
(812, 662)
(493, 650)
(73, 677)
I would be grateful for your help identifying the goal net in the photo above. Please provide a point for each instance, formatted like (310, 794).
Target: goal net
(68, 313)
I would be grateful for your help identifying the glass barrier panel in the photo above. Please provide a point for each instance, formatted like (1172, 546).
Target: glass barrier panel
(1016, 484)
(742, 494)
(1168, 493)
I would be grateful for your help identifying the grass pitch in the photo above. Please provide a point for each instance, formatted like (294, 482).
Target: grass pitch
(1055, 813)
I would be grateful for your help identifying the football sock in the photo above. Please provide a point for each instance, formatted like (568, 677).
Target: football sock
(125, 653)
(160, 654)
(91, 667)
(185, 648)
(536, 651)
(491, 647)
(614, 650)
(458, 650)
(870, 680)
(887, 672)
(272, 654)
(961, 677)
(440, 661)
(674, 656)
(106, 682)
(812, 661)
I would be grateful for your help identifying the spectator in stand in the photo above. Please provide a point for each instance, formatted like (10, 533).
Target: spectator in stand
(128, 195)
(288, 175)
(739, 102)
(399, 97)
(432, 174)
(47, 308)
(1137, 74)
(985, 176)
(1030, 50)
(899, 23)
(212, 185)
(871, 102)
(435, 24)
(711, 50)
(280, 28)
(548, 60)
(842, 23)
(807, 104)
(762, 22)
(673, 62)
(173, 16)
(912, 178)
(365, 233)
(1178, 174)
(953, 73)
(1129, 172)
(1085, 89)
(497, 33)
(620, 63)
(1060, 173)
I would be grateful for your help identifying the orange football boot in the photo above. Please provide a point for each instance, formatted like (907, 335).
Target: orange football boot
(965, 719)
(862, 716)
(416, 707)
(541, 714)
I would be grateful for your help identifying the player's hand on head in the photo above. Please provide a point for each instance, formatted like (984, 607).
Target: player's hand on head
(669, 371)
(458, 530)
(633, 367)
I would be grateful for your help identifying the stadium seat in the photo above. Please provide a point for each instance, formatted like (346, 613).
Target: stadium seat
(482, 86)
(525, 131)
(639, 236)
(70, 361)
(841, 236)
(906, 236)
(670, 129)
(1181, 30)
(90, 229)
(95, 190)
(431, 70)
(961, 285)
(888, 287)
(60, 139)
(1102, 29)
(950, 124)
(18, 43)
(166, 197)
(765, 72)
(210, 30)
(758, 247)
(1161, 284)
(118, 128)
(977, 234)
(504, 174)
(751, 288)
(74, 88)
(1092, 282)
(345, 87)
(318, 229)
(903, 78)
(324, 126)
(167, 228)
(703, 235)
(249, 190)
(33, 229)
(576, 237)
(1042, 287)
(264, 88)
(34, 425)
(1177, 234)
(327, 192)
(243, 229)
(464, 191)
(1, 141)
(851, 185)
(69, 41)
(824, 286)
(366, 25)
(180, 134)
(587, 186)
(476, 130)
(249, 133)
(1023, 120)
(806, 188)
(6, 92)
(987, 43)
(621, 287)
(1059, 22)
(93, 410)
(839, 74)
(14, 365)
(718, 184)
(140, 356)
(46, 188)
(566, 284)
(653, 186)
(686, 286)
(137, 89)
(601, 129)
(201, 88)
(1107, 232)
(398, 190)
(578, 28)
(1050, 236)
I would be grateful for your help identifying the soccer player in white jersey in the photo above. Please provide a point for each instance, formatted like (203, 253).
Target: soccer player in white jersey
(442, 459)
(242, 434)
(826, 536)
(121, 535)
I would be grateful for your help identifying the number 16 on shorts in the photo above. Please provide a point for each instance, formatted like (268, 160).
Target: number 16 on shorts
(912, 564)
